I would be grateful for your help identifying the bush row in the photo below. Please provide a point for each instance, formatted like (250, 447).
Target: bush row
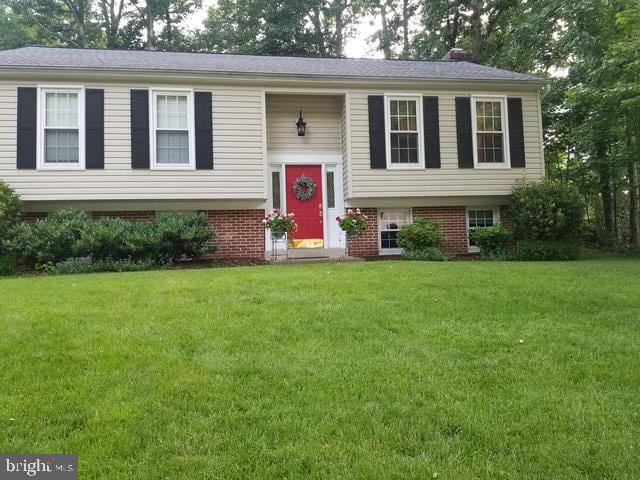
(69, 233)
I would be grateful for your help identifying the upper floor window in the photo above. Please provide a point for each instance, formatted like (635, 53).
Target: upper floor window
(404, 131)
(490, 132)
(172, 132)
(62, 132)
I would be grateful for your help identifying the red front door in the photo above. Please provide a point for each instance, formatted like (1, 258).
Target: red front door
(308, 213)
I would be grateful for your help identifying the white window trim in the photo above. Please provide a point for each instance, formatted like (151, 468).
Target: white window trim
(391, 251)
(40, 117)
(387, 131)
(190, 126)
(505, 131)
(496, 221)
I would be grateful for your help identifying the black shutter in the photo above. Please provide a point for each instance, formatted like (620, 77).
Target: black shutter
(139, 129)
(464, 132)
(377, 134)
(431, 132)
(27, 128)
(204, 131)
(94, 128)
(516, 133)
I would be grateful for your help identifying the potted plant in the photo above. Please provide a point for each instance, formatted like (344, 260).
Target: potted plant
(354, 223)
(279, 223)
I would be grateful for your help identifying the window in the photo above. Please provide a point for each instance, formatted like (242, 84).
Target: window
(404, 131)
(331, 190)
(391, 221)
(62, 133)
(490, 128)
(173, 130)
(275, 190)
(479, 219)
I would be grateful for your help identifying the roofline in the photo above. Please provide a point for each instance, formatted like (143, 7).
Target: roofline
(258, 75)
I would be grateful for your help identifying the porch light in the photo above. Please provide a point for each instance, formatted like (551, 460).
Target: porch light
(301, 125)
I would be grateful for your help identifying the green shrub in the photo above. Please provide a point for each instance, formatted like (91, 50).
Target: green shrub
(8, 266)
(493, 241)
(84, 266)
(420, 235)
(179, 237)
(109, 239)
(538, 250)
(547, 211)
(10, 210)
(50, 240)
(69, 234)
(430, 254)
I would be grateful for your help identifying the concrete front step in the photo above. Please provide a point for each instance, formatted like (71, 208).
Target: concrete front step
(318, 260)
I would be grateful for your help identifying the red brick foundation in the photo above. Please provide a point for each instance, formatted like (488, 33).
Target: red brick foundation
(505, 217)
(239, 233)
(142, 216)
(367, 244)
(453, 221)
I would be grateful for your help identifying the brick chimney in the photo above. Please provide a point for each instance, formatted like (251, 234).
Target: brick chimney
(457, 55)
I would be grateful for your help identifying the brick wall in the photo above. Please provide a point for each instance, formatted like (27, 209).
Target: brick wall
(239, 233)
(505, 216)
(367, 244)
(141, 216)
(33, 217)
(453, 221)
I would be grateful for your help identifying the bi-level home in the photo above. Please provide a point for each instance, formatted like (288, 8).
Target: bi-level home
(134, 133)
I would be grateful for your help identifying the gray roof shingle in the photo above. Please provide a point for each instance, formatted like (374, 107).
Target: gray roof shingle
(130, 60)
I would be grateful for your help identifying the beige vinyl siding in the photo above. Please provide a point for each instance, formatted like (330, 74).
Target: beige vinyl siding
(449, 180)
(322, 114)
(237, 150)
(345, 146)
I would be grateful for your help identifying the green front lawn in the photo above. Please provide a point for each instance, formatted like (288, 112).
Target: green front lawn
(461, 370)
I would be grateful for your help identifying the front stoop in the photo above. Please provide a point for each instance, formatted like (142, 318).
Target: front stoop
(308, 254)
(325, 259)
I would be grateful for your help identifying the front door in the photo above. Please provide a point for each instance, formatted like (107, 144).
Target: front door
(304, 199)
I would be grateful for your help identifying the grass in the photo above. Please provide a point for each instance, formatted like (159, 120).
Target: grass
(386, 370)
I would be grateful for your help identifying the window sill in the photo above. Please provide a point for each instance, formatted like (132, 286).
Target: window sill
(183, 168)
(412, 166)
(501, 166)
(390, 251)
(60, 168)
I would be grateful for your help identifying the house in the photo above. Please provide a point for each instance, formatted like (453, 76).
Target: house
(133, 133)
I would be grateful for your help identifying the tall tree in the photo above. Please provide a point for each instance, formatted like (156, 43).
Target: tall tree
(297, 27)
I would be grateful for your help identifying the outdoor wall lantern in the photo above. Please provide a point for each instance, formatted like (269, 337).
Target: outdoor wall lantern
(301, 125)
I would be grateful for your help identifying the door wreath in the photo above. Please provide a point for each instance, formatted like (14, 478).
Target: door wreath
(305, 188)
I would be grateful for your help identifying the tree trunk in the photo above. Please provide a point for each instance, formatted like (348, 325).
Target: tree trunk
(405, 28)
(151, 34)
(476, 29)
(385, 45)
(606, 191)
(167, 19)
(78, 12)
(634, 189)
(339, 34)
(316, 20)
